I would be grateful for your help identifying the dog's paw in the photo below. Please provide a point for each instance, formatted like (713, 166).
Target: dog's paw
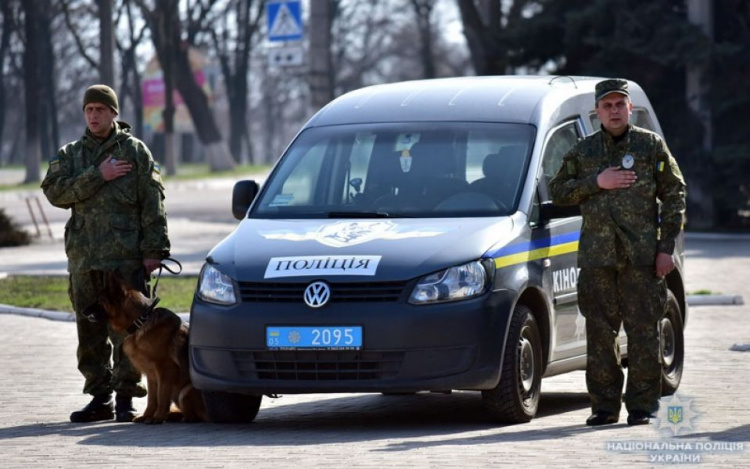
(139, 419)
(154, 421)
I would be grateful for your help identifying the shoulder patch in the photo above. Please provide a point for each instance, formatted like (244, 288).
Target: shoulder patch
(54, 164)
(156, 172)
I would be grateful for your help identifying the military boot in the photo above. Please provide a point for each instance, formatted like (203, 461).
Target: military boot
(100, 408)
(124, 408)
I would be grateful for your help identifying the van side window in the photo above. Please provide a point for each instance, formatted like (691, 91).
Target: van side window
(640, 118)
(562, 139)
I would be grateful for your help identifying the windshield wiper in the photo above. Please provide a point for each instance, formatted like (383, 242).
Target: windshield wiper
(363, 215)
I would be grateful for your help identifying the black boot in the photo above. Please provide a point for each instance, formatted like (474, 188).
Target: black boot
(100, 408)
(124, 408)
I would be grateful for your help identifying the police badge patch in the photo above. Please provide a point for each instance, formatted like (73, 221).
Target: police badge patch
(628, 161)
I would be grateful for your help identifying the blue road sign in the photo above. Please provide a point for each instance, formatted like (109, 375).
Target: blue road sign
(284, 19)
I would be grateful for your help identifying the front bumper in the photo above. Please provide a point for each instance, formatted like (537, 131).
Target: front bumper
(446, 346)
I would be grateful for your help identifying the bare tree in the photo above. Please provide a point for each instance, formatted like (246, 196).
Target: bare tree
(131, 76)
(233, 44)
(50, 133)
(170, 46)
(485, 23)
(32, 85)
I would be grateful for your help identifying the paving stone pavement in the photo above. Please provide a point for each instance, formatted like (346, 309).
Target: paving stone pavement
(39, 387)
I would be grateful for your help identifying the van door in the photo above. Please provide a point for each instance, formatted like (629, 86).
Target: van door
(562, 270)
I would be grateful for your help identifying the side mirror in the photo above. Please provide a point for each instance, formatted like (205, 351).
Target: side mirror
(549, 211)
(243, 194)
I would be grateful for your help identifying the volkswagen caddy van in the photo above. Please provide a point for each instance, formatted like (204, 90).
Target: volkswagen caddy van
(405, 242)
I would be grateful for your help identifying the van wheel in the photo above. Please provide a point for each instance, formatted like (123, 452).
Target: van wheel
(230, 407)
(672, 347)
(516, 397)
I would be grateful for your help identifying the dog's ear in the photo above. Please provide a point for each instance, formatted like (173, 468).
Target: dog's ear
(115, 285)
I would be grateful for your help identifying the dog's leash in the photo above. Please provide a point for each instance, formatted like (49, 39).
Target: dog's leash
(163, 266)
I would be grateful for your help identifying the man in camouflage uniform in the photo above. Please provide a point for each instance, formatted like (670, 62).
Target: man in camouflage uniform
(113, 188)
(616, 176)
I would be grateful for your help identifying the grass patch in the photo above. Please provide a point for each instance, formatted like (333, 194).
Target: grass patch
(21, 187)
(190, 171)
(185, 172)
(703, 292)
(51, 293)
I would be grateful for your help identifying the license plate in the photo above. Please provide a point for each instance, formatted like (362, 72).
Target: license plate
(314, 338)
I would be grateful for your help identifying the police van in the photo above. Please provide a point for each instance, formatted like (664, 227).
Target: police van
(405, 242)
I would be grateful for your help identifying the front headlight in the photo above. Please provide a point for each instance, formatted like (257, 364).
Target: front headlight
(456, 283)
(215, 287)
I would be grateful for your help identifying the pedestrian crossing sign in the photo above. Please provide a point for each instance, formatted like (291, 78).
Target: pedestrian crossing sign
(284, 19)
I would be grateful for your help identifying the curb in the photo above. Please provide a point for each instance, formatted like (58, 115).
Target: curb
(53, 315)
(713, 300)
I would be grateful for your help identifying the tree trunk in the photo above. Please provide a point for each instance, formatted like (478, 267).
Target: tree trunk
(31, 85)
(7, 14)
(219, 157)
(217, 152)
(50, 132)
(321, 70)
(483, 37)
(166, 27)
(700, 12)
(423, 11)
(106, 43)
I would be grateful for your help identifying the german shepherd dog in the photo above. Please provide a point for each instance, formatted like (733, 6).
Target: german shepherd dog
(157, 345)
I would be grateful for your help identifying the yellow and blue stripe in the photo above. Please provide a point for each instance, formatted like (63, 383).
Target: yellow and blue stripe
(536, 249)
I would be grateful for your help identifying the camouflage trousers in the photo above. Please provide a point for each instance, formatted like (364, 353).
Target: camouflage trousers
(101, 360)
(633, 296)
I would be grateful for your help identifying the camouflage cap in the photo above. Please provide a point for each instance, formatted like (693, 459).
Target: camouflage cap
(101, 94)
(615, 85)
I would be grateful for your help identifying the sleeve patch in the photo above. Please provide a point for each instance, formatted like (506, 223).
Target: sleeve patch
(54, 164)
(660, 166)
(570, 166)
(156, 172)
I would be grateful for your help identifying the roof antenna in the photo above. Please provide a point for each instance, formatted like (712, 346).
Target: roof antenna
(563, 76)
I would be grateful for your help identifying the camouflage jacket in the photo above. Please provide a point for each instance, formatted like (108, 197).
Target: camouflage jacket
(630, 215)
(112, 223)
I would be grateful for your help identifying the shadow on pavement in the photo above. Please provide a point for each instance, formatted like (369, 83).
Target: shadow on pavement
(736, 434)
(333, 420)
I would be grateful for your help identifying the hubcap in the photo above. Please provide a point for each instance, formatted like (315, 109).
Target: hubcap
(526, 364)
(667, 343)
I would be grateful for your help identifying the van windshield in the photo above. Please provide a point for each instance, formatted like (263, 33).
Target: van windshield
(444, 169)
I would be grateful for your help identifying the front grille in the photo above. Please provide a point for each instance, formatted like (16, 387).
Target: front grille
(318, 365)
(256, 292)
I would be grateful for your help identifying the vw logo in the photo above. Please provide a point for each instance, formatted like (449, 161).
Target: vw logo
(317, 294)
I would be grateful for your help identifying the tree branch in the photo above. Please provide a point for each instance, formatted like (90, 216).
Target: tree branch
(79, 42)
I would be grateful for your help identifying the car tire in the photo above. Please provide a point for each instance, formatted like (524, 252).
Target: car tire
(516, 397)
(230, 407)
(672, 346)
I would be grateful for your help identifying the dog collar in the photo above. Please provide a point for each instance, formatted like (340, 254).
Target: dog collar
(138, 323)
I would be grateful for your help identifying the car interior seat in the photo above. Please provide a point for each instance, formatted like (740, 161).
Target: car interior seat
(502, 172)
